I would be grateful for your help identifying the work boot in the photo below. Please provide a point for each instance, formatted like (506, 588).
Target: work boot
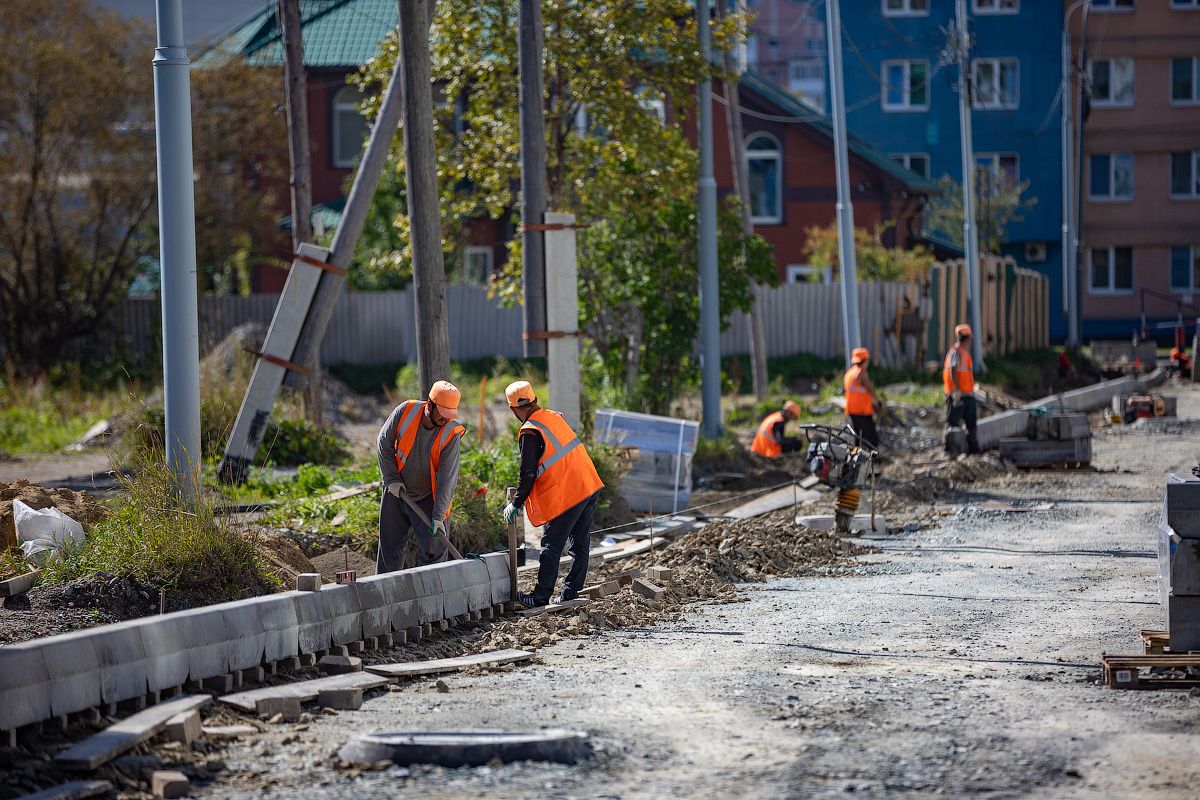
(567, 595)
(841, 521)
(529, 601)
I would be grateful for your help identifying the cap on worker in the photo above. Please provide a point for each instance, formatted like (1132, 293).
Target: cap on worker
(962, 330)
(860, 355)
(445, 396)
(792, 407)
(520, 393)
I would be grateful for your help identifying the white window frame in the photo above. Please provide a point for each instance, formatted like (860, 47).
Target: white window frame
(1113, 8)
(905, 160)
(1193, 257)
(1110, 291)
(802, 273)
(767, 155)
(906, 11)
(1195, 99)
(907, 105)
(342, 106)
(997, 65)
(1112, 178)
(995, 8)
(994, 165)
(489, 262)
(1194, 162)
(1132, 76)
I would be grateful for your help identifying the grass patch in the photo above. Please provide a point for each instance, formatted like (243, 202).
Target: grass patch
(45, 416)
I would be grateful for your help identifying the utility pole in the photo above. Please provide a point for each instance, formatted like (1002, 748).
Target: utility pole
(424, 215)
(741, 186)
(177, 249)
(1075, 334)
(970, 226)
(295, 86)
(1067, 184)
(710, 301)
(851, 330)
(531, 97)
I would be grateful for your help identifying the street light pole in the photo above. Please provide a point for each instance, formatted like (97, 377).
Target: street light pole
(970, 228)
(710, 309)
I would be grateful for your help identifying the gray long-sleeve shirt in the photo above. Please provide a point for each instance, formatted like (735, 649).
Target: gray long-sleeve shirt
(416, 476)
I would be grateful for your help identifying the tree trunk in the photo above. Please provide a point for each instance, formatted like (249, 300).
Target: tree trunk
(741, 185)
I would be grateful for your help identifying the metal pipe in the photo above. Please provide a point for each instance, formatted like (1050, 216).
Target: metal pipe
(710, 302)
(970, 228)
(177, 249)
(851, 330)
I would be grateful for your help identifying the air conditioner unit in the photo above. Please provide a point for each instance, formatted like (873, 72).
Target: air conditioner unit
(1035, 252)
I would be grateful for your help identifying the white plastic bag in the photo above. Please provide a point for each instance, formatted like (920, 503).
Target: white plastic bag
(41, 533)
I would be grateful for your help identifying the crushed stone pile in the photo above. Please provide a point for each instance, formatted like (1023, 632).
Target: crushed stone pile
(76, 505)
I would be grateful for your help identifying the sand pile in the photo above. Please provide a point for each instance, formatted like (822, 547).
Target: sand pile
(76, 505)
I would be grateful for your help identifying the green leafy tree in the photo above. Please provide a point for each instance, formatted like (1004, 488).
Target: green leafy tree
(875, 260)
(620, 76)
(998, 202)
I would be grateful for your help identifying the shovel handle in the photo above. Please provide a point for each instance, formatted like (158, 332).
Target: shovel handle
(512, 551)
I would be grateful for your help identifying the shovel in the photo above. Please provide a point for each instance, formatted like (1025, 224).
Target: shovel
(428, 524)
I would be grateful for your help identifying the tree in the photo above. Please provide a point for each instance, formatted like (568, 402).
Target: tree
(619, 77)
(77, 162)
(998, 202)
(876, 261)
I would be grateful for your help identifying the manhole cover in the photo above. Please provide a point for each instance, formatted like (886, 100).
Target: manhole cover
(467, 748)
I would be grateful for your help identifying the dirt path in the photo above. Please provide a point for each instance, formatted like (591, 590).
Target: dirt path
(961, 661)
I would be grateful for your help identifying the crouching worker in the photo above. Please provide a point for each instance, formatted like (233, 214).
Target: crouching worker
(418, 450)
(558, 488)
(770, 440)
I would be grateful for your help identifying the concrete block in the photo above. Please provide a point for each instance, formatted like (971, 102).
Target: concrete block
(1183, 622)
(184, 728)
(244, 634)
(122, 661)
(405, 614)
(454, 602)
(208, 643)
(479, 597)
(384, 641)
(339, 665)
(288, 707)
(169, 783)
(280, 626)
(414, 633)
(314, 630)
(340, 603)
(647, 589)
(1182, 569)
(24, 686)
(658, 574)
(497, 565)
(475, 572)
(1183, 507)
(165, 640)
(308, 582)
(430, 608)
(253, 675)
(371, 643)
(1030, 453)
(74, 671)
(356, 648)
(453, 575)
(343, 699)
(500, 590)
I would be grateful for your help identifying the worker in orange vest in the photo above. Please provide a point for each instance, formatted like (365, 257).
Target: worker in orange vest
(558, 487)
(770, 440)
(958, 382)
(861, 400)
(1181, 361)
(418, 450)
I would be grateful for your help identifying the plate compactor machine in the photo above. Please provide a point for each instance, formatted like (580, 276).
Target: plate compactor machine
(838, 459)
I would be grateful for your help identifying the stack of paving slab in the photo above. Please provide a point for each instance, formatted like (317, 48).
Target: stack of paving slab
(660, 478)
(1050, 440)
(54, 677)
(1179, 562)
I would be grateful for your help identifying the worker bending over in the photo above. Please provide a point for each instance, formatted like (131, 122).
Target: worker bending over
(418, 458)
(559, 487)
(770, 440)
(1181, 362)
(861, 400)
(958, 381)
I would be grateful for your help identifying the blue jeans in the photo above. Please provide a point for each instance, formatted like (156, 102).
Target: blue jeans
(575, 524)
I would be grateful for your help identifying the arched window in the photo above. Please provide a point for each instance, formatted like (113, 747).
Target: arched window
(765, 160)
(349, 127)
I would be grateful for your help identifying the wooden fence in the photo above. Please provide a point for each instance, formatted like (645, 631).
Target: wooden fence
(1014, 312)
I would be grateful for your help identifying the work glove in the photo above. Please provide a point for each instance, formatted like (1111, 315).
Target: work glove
(395, 488)
(956, 396)
(511, 513)
(439, 528)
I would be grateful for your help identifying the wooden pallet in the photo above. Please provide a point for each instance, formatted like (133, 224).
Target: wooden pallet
(1163, 671)
(1154, 642)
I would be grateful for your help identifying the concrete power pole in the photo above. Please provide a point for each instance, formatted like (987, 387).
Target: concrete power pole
(1075, 332)
(847, 259)
(533, 176)
(710, 301)
(970, 227)
(424, 215)
(177, 249)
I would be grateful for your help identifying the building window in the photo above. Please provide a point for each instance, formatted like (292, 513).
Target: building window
(349, 127)
(1185, 80)
(996, 172)
(652, 103)
(905, 86)
(1184, 5)
(996, 6)
(1112, 5)
(1185, 174)
(1112, 270)
(996, 82)
(917, 162)
(1112, 82)
(1111, 176)
(1185, 269)
(906, 8)
(806, 273)
(765, 160)
(477, 265)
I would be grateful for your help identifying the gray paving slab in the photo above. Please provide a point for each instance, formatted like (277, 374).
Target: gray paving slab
(454, 602)
(430, 608)
(340, 603)
(497, 565)
(208, 643)
(165, 641)
(476, 572)
(314, 630)
(277, 613)
(122, 661)
(74, 670)
(405, 615)
(376, 605)
(126, 734)
(479, 596)
(73, 790)
(307, 691)
(244, 634)
(24, 686)
(453, 575)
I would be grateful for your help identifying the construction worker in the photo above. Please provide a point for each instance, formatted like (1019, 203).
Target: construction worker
(418, 450)
(861, 400)
(1181, 361)
(770, 440)
(558, 487)
(958, 381)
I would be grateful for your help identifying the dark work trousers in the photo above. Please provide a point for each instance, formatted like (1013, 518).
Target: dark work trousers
(396, 522)
(864, 428)
(963, 413)
(575, 524)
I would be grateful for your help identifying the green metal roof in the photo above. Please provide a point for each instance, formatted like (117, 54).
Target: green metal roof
(794, 107)
(336, 33)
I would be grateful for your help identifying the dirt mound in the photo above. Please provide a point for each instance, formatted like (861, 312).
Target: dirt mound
(76, 505)
(335, 561)
(284, 556)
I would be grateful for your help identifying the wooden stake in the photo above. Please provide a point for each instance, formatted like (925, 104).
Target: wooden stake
(512, 551)
(482, 401)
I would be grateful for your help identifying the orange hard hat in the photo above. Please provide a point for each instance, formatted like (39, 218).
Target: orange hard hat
(860, 355)
(962, 330)
(520, 393)
(792, 407)
(445, 396)
(1174, 352)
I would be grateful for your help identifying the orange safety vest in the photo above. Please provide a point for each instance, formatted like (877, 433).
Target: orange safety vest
(963, 375)
(406, 437)
(565, 476)
(765, 443)
(858, 396)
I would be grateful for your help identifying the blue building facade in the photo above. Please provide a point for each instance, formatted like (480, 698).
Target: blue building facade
(902, 97)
